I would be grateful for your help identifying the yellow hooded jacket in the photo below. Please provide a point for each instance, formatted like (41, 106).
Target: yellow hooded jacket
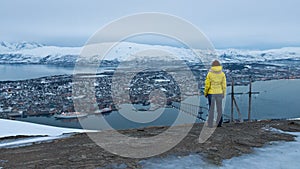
(215, 82)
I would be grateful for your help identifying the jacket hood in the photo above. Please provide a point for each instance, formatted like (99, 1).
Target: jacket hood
(216, 69)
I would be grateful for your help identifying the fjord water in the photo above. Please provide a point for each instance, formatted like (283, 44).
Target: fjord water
(29, 71)
(278, 99)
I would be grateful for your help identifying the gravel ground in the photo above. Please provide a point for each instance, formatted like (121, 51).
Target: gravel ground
(79, 151)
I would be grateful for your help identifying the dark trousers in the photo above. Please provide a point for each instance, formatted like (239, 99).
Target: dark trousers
(215, 100)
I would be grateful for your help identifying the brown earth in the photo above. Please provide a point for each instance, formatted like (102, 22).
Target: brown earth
(79, 151)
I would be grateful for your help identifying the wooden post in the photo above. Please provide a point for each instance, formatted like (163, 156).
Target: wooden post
(238, 110)
(250, 93)
(232, 99)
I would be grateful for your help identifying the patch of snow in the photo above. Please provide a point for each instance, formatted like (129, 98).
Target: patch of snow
(13, 143)
(15, 128)
(116, 166)
(276, 155)
(272, 129)
(179, 162)
(10, 128)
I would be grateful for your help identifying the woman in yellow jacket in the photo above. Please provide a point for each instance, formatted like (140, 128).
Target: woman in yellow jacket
(215, 90)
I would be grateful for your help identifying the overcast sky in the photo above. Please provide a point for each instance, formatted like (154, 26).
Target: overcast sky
(227, 23)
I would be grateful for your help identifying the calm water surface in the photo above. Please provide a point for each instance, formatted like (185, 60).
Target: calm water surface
(277, 99)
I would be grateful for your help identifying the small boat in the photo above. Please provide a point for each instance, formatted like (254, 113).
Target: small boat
(15, 114)
(70, 115)
(104, 110)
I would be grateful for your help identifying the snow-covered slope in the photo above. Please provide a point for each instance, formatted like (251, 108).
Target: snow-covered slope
(42, 132)
(235, 55)
(15, 128)
(25, 52)
(36, 53)
(277, 155)
(19, 46)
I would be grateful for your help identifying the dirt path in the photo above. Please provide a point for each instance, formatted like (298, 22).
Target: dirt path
(79, 151)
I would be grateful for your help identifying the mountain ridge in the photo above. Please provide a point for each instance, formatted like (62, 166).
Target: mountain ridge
(36, 53)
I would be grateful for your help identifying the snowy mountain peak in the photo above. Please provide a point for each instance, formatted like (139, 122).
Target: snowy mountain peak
(27, 45)
(19, 45)
(31, 52)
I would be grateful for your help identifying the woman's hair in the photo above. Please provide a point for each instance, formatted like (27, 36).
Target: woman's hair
(215, 63)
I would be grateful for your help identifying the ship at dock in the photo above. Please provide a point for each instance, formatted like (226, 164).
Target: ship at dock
(70, 115)
(104, 110)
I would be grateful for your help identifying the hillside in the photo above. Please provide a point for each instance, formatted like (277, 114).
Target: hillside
(34, 53)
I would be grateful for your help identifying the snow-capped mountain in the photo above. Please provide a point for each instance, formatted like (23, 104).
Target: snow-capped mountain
(18, 46)
(32, 52)
(235, 55)
(26, 52)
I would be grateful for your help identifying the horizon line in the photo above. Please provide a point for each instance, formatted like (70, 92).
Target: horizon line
(217, 47)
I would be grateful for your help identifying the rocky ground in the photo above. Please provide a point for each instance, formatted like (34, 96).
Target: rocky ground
(79, 151)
